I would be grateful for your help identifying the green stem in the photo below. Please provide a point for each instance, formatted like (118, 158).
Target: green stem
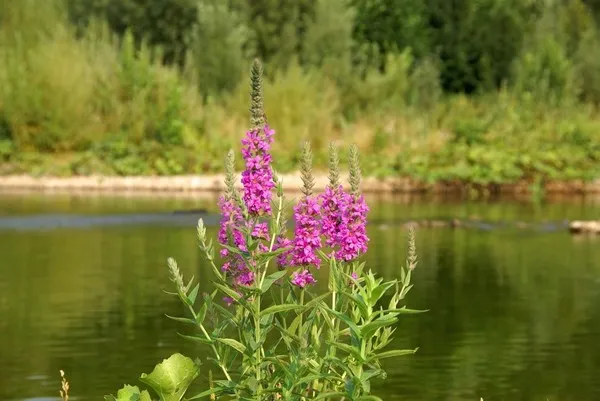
(257, 331)
(259, 350)
(300, 326)
(272, 244)
(217, 356)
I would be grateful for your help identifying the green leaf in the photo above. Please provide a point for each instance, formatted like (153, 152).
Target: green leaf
(405, 310)
(378, 291)
(193, 294)
(231, 293)
(235, 250)
(362, 306)
(393, 353)
(280, 308)
(349, 349)
(368, 398)
(310, 378)
(270, 254)
(355, 329)
(201, 340)
(210, 391)
(293, 327)
(182, 319)
(171, 378)
(316, 300)
(369, 374)
(270, 279)
(330, 394)
(238, 346)
(370, 328)
(201, 313)
(224, 312)
(129, 393)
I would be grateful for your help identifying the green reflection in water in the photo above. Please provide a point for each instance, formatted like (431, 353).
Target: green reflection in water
(514, 313)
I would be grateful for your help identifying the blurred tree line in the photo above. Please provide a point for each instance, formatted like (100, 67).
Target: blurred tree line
(476, 45)
(471, 90)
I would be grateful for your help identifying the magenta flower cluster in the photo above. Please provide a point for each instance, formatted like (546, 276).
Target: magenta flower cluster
(257, 178)
(231, 225)
(351, 238)
(342, 219)
(334, 205)
(303, 279)
(337, 216)
(307, 239)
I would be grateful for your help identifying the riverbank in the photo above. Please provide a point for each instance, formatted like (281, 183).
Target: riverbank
(291, 182)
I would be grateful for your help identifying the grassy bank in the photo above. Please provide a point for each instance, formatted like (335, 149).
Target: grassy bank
(91, 103)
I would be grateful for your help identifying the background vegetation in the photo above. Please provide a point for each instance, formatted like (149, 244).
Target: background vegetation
(479, 91)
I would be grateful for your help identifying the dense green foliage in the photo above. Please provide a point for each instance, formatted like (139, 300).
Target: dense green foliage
(472, 90)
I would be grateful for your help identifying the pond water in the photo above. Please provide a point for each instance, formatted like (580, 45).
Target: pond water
(514, 308)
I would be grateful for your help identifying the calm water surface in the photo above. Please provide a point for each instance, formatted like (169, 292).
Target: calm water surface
(514, 312)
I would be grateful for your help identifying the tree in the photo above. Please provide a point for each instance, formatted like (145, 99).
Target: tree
(164, 23)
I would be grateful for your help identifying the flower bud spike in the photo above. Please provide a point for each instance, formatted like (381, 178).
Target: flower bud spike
(334, 166)
(230, 175)
(306, 170)
(412, 248)
(355, 174)
(257, 112)
(231, 192)
(201, 229)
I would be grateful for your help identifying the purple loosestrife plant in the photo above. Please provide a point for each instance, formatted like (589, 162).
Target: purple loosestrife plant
(281, 334)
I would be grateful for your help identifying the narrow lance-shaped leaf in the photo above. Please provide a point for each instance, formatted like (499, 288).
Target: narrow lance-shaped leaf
(353, 327)
(238, 346)
(358, 301)
(182, 319)
(270, 279)
(201, 313)
(368, 398)
(393, 353)
(210, 391)
(329, 395)
(191, 298)
(370, 328)
(280, 308)
(350, 350)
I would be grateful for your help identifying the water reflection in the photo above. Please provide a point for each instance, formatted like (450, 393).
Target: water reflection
(514, 313)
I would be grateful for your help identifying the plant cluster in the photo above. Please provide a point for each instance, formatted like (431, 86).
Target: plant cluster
(272, 335)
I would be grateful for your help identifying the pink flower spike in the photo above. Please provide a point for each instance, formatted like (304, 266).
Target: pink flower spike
(257, 178)
(307, 239)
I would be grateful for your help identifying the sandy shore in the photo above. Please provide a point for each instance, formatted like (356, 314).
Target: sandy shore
(291, 182)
